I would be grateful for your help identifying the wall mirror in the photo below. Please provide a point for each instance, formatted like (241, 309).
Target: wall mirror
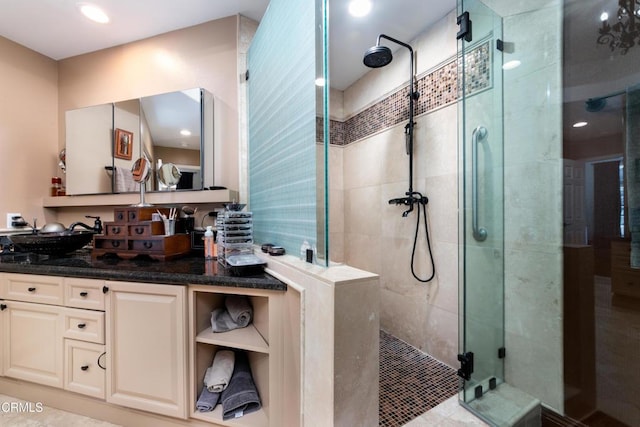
(103, 142)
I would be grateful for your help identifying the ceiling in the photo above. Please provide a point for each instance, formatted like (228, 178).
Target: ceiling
(56, 28)
(592, 70)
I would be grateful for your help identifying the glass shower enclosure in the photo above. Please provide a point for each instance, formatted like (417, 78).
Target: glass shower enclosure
(481, 292)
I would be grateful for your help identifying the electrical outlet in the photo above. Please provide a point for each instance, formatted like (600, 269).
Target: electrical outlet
(10, 219)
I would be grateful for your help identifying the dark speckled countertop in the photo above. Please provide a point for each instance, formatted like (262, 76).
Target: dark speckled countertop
(182, 271)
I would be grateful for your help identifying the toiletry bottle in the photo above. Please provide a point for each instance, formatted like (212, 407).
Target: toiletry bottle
(209, 248)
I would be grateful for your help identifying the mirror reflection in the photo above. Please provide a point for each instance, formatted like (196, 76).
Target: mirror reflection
(102, 140)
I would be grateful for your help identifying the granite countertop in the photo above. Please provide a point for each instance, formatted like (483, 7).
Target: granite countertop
(194, 270)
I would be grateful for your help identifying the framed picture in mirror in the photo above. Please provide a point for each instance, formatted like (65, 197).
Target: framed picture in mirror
(123, 144)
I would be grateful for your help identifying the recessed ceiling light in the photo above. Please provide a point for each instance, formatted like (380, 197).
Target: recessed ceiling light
(604, 16)
(580, 124)
(185, 132)
(359, 8)
(93, 12)
(511, 65)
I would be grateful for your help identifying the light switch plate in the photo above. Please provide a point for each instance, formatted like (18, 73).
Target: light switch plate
(10, 219)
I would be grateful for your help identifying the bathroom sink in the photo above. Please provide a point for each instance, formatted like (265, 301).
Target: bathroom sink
(58, 243)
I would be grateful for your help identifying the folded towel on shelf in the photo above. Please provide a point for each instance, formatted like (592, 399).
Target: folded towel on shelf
(207, 400)
(241, 396)
(124, 181)
(219, 373)
(236, 314)
(239, 309)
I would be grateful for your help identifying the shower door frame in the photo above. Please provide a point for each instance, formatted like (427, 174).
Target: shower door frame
(481, 201)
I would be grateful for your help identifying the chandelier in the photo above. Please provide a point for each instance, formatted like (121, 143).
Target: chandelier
(625, 32)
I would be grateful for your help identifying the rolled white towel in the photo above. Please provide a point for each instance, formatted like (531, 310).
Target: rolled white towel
(219, 373)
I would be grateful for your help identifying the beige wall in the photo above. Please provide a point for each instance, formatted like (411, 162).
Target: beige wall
(28, 130)
(38, 90)
(200, 56)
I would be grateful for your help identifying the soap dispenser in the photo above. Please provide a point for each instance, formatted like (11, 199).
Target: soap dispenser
(209, 244)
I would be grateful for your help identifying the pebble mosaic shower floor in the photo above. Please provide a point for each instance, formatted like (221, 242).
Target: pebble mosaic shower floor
(411, 382)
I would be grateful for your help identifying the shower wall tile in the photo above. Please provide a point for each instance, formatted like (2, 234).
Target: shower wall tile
(336, 204)
(363, 203)
(444, 344)
(364, 164)
(533, 243)
(434, 135)
(363, 251)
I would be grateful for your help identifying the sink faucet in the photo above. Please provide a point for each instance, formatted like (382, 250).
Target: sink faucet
(97, 225)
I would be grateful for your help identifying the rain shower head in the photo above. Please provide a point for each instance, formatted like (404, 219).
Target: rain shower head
(377, 56)
(593, 105)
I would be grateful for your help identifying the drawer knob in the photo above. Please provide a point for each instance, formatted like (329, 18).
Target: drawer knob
(85, 367)
(31, 289)
(115, 243)
(116, 230)
(148, 245)
(84, 294)
(139, 230)
(82, 325)
(3, 307)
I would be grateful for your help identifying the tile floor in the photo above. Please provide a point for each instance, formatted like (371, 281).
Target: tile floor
(18, 413)
(411, 382)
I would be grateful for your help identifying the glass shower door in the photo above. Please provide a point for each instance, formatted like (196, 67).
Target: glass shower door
(481, 201)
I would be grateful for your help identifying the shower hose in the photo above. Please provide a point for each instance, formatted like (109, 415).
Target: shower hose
(422, 202)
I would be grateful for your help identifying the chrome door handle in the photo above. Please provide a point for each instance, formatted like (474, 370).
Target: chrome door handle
(478, 136)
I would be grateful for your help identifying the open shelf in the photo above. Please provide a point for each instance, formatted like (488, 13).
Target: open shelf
(253, 340)
(245, 338)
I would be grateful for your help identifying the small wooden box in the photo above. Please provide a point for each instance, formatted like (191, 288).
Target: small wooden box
(133, 233)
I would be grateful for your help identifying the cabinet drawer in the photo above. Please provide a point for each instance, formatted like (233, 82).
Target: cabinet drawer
(114, 229)
(84, 293)
(105, 242)
(626, 283)
(33, 288)
(83, 373)
(147, 228)
(84, 325)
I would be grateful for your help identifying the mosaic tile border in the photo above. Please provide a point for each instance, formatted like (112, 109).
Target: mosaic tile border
(437, 88)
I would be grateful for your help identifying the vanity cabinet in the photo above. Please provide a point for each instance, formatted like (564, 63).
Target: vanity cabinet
(42, 317)
(147, 347)
(261, 340)
(32, 341)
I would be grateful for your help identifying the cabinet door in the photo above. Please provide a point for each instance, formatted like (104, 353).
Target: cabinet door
(146, 347)
(32, 342)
